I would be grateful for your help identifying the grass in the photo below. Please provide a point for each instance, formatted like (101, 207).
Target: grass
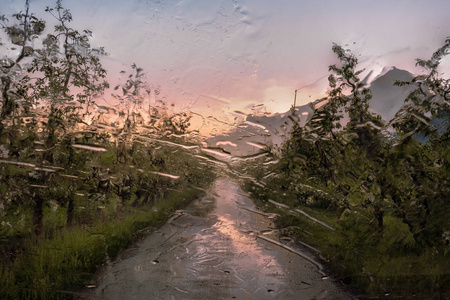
(59, 264)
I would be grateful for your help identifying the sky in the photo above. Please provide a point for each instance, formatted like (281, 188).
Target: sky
(217, 56)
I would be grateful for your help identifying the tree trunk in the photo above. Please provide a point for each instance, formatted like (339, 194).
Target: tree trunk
(379, 213)
(326, 163)
(38, 214)
(70, 208)
(7, 105)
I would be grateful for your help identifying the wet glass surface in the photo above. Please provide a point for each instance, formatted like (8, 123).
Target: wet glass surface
(224, 149)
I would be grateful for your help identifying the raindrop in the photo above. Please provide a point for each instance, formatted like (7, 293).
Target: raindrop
(166, 175)
(88, 147)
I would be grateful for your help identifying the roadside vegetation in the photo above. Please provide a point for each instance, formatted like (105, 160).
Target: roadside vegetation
(79, 182)
(383, 187)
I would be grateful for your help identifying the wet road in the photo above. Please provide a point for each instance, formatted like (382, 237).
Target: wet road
(221, 247)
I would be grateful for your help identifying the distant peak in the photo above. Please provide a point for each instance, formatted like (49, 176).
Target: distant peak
(397, 70)
(393, 72)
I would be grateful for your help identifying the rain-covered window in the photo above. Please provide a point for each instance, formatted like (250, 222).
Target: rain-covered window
(224, 149)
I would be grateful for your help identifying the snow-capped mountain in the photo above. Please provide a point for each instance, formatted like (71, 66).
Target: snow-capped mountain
(387, 98)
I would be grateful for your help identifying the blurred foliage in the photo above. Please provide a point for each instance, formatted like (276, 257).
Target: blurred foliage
(385, 191)
(76, 188)
(368, 172)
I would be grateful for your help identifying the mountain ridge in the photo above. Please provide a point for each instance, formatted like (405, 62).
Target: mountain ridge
(258, 131)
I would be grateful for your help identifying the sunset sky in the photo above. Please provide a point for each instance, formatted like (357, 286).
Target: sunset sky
(220, 55)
